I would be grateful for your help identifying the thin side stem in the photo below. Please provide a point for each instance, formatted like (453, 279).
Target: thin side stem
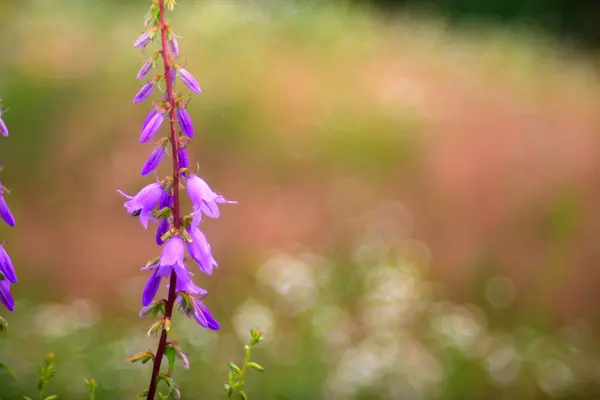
(162, 344)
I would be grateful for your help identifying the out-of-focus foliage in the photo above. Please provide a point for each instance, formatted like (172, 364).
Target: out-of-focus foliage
(576, 20)
(417, 202)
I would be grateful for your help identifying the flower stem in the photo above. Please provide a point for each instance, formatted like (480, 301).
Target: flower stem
(176, 209)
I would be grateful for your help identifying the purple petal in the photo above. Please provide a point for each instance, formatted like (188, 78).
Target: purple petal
(189, 80)
(184, 161)
(143, 41)
(163, 227)
(174, 46)
(5, 212)
(200, 251)
(144, 92)
(152, 127)
(154, 160)
(6, 266)
(146, 67)
(166, 200)
(151, 288)
(3, 128)
(151, 114)
(204, 317)
(199, 191)
(185, 122)
(5, 295)
(173, 252)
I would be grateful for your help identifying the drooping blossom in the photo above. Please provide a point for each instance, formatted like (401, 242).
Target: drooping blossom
(163, 227)
(143, 41)
(188, 80)
(6, 266)
(184, 161)
(174, 46)
(6, 297)
(146, 67)
(196, 310)
(3, 127)
(151, 126)
(5, 213)
(144, 92)
(144, 202)
(200, 250)
(203, 198)
(185, 122)
(170, 260)
(154, 160)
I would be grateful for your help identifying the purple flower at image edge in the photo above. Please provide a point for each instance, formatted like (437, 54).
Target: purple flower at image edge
(6, 297)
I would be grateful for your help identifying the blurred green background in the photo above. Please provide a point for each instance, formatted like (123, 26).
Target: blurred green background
(418, 189)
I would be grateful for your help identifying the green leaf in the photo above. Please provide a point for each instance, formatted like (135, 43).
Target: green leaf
(7, 369)
(53, 397)
(171, 354)
(243, 395)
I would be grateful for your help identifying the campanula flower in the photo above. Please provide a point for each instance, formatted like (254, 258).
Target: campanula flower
(174, 46)
(143, 41)
(171, 259)
(203, 198)
(6, 266)
(185, 122)
(144, 202)
(189, 80)
(197, 310)
(151, 126)
(3, 127)
(184, 161)
(163, 227)
(5, 211)
(200, 250)
(154, 160)
(144, 92)
(5, 295)
(146, 67)
(166, 200)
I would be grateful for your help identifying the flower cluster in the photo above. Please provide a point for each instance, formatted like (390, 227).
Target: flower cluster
(159, 202)
(7, 271)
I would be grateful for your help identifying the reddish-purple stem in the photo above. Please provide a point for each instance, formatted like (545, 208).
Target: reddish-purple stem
(162, 344)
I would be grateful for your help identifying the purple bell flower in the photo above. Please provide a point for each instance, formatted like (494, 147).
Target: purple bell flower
(5, 213)
(171, 258)
(154, 160)
(200, 250)
(143, 41)
(144, 202)
(6, 266)
(184, 161)
(151, 126)
(174, 46)
(144, 92)
(203, 198)
(189, 80)
(6, 297)
(146, 67)
(185, 122)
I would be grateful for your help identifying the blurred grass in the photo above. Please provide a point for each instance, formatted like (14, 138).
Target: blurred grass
(294, 93)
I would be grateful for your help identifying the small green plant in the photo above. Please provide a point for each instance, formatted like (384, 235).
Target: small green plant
(236, 374)
(47, 372)
(91, 387)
